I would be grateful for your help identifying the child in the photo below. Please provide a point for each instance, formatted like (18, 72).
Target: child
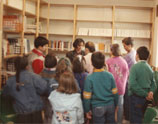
(79, 70)
(119, 68)
(78, 45)
(66, 101)
(100, 91)
(89, 49)
(36, 58)
(130, 59)
(141, 85)
(25, 87)
(47, 74)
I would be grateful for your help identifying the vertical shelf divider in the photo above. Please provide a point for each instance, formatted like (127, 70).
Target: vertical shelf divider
(37, 18)
(75, 23)
(113, 23)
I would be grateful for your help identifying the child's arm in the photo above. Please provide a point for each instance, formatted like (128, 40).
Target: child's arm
(87, 93)
(114, 91)
(133, 84)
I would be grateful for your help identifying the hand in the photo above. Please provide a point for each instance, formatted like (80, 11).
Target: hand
(89, 115)
(150, 96)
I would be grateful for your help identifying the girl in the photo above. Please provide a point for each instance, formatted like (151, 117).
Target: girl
(66, 101)
(25, 87)
(79, 70)
(119, 68)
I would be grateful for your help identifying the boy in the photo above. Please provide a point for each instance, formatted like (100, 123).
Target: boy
(36, 58)
(100, 91)
(141, 85)
(48, 74)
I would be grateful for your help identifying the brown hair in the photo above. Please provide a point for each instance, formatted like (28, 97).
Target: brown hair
(50, 61)
(67, 83)
(143, 53)
(90, 46)
(78, 65)
(128, 41)
(98, 60)
(115, 49)
(63, 65)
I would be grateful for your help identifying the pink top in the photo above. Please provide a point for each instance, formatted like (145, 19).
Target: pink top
(88, 65)
(119, 68)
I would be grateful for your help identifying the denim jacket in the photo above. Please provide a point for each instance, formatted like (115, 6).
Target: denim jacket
(27, 100)
(67, 108)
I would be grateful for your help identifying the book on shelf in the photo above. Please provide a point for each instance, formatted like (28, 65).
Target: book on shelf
(12, 23)
(61, 45)
(83, 31)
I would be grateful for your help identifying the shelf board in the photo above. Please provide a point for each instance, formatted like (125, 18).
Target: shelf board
(61, 20)
(12, 32)
(133, 22)
(103, 21)
(12, 56)
(132, 37)
(58, 51)
(94, 36)
(29, 33)
(61, 34)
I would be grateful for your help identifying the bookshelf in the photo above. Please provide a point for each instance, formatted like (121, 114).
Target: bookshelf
(98, 21)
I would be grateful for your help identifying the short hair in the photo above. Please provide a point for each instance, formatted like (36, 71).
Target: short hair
(128, 41)
(77, 42)
(90, 46)
(78, 66)
(63, 65)
(115, 49)
(98, 60)
(40, 41)
(50, 61)
(143, 53)
(67, 83)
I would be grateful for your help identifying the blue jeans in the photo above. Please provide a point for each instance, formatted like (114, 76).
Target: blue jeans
(136, 109)
(104, 114)
(120, 109)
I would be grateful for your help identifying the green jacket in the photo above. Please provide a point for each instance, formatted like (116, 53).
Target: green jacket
(99, 90)
(141, 79)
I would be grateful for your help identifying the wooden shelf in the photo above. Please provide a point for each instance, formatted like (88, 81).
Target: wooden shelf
(99, 21)
(12, 32)
(94, 36)
(132, 37)
(12, 56)
(133, 22)
(58, 51)
(61, 34)
(71, 20)
(29, 33)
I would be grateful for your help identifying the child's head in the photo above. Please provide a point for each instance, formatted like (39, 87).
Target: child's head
(142, 53)
(98, 60)
(21, 64)
(128, 43)
(78, 64)
(89, 47)
(63, 65)
(67, 83)
(50, 61)
(40, 43)
(78, 44)
(115, 50)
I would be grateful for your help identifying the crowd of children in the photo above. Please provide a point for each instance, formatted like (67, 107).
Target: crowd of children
(77, 89)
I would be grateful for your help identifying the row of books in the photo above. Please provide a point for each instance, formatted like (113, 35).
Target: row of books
(61, 45)
(67, 46)
(117, 32)
(13, 46)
